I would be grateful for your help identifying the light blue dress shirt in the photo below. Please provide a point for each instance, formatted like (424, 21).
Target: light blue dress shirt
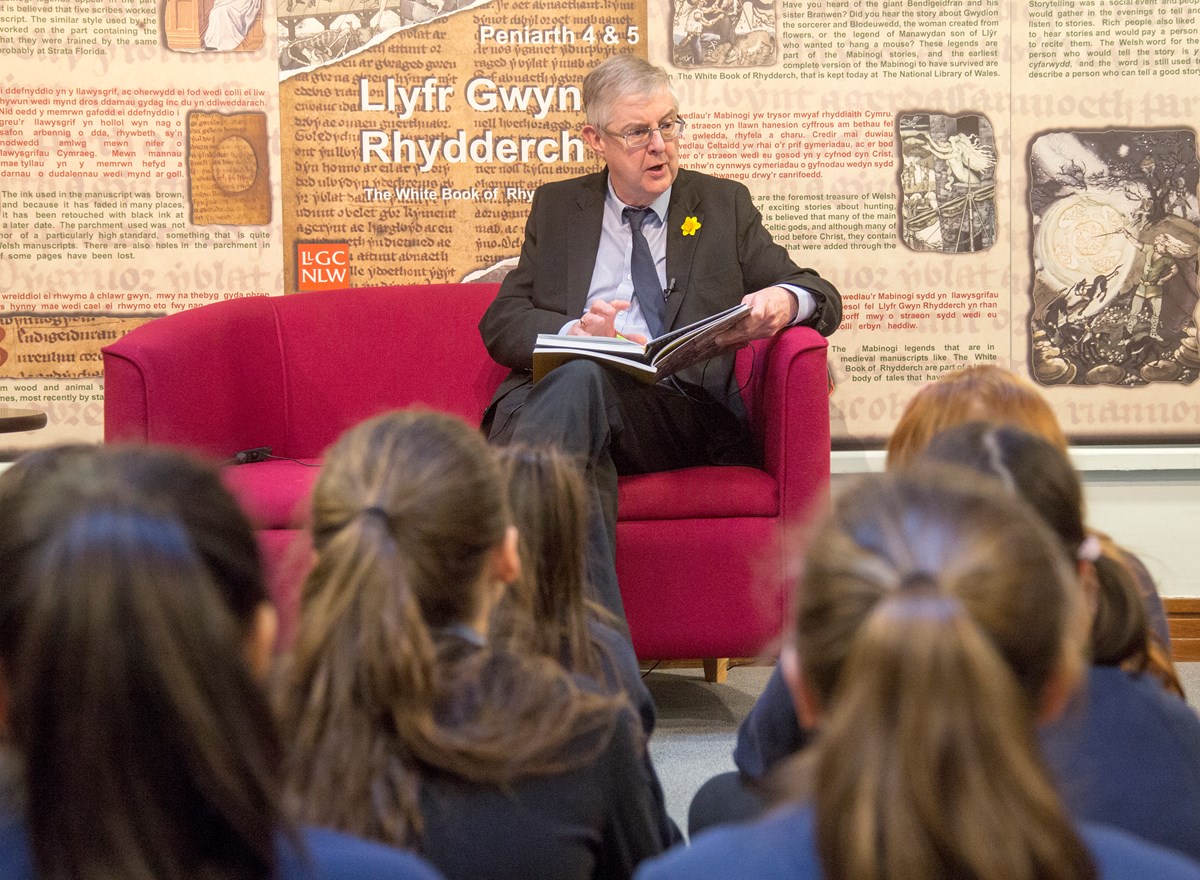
(612, 277)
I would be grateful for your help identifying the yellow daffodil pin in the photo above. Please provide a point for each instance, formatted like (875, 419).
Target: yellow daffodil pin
(690, 225)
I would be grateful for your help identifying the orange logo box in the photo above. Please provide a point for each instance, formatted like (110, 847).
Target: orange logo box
(322, 266)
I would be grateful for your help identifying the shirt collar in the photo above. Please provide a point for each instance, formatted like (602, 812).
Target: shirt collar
(464, 632)
(659, 206)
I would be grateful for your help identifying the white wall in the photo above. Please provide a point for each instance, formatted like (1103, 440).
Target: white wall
(1147, 498)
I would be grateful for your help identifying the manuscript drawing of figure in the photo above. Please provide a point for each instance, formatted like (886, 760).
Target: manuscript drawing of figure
(313, 33)
(322, 47)
(724, 33)
(1115, 237)
(229, 21)
(213, 25)
(947, 182)
(1160, 264)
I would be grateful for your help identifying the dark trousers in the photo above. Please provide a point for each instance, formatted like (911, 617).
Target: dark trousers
(726, 799)
(613, 424)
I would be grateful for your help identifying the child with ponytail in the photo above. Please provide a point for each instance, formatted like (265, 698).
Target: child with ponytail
(937, 622)
(410, 724)
(984, 392)
(548, 610)
(1127, 753)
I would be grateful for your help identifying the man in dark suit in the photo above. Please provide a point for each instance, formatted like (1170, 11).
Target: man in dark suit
(596, 262)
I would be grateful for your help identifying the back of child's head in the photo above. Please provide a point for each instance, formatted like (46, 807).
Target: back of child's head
(412, 494)
(1031, 467)
(1041, 474)
(984, 392)
(936, 615)
(147, 749)
(186, 488)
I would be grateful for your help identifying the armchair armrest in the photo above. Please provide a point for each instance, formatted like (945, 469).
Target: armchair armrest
(210, 379)
(787, 403)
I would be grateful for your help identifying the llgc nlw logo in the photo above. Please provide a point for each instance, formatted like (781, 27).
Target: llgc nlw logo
(322, 266)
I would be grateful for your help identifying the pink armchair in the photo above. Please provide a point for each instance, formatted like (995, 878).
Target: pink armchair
(698, 568)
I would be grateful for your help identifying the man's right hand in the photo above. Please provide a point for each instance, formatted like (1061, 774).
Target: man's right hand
(600, 320)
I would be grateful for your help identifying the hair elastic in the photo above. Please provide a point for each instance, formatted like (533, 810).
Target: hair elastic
(377, 512)
(918, 580)
(1089, 550)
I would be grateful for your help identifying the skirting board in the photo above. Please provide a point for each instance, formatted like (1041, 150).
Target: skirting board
(1183, 619)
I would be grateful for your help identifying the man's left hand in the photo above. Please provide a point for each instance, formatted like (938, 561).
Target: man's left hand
(771, 309)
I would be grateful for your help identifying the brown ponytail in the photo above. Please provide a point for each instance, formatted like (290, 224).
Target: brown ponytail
(932, 615)
(922, 680)
(363, 658)
(1121, 631)
(547, 609)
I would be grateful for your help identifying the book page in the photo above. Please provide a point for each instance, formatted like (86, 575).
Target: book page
(546, 359)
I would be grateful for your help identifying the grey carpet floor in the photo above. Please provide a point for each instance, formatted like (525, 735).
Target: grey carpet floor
(698, 721)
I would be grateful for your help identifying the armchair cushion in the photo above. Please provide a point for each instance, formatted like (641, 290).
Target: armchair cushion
(698, 493)
(274, 494)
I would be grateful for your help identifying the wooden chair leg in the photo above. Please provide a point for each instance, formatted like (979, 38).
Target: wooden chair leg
(716, 669)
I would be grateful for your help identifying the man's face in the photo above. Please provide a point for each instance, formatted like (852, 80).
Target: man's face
(641, 175)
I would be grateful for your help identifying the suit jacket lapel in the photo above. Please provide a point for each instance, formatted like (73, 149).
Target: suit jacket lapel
(584, 240)
(681, 249)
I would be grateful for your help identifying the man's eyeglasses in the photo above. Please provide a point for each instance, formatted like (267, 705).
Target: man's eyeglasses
(638, 137)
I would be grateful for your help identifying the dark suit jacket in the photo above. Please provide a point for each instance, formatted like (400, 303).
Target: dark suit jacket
(729, 256)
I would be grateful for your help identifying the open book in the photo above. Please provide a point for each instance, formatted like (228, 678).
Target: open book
(657, 359)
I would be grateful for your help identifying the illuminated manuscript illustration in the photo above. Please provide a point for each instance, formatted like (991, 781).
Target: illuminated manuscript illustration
(214, 25)
(947, 182)
(313, 33)
(228, 168)
(1115, 238)
(724, 33)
